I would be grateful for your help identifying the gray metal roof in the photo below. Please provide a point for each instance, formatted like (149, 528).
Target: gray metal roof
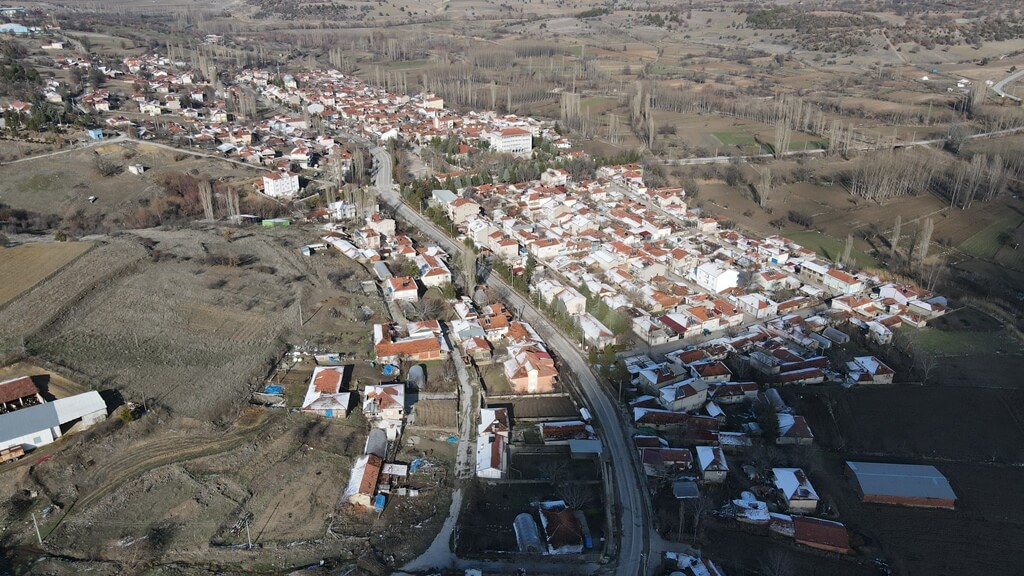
(585, 446)
(34, 419)
(27, 421)
(907, 480)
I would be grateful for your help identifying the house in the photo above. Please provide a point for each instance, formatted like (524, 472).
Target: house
(758, 306)
(461, 209)
(796, 490)
(531, 371)
(419, 348)
(665, 462)
(691, 428)
(840, 282)
(868, 370)
(684, 396)
(492, 457)
(18, 393)
(794, 430)
(281, 184)
(901, 484)
(492, 452)
(713, 467)
(711, 371)
(324, 395)
(595, 333)
(385, 405)
(734, 392)
(362, 484)
(41, 424)
(515, 141)
(562, 529)
(715, 278)
(402, 288)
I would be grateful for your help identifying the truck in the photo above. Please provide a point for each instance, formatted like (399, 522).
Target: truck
(11, 454)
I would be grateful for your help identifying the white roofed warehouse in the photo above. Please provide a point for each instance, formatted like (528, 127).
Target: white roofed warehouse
(901, 484)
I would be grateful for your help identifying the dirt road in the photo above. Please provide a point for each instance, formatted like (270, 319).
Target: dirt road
(165, 450)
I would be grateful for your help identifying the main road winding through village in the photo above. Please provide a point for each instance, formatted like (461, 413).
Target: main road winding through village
(632, 505)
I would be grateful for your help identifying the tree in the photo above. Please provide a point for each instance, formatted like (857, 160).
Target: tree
(105, 167)
(846, 260)
(924, 239)
(894, 240)
(206, 197)
(576, 495)
(766, 187)
(777, 563)
(783, 134)
(702, 506)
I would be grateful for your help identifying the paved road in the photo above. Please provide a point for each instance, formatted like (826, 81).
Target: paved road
(999, 87)
(633, 503)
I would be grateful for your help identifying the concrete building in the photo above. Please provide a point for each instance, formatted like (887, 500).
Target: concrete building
(715, 278)
(281, 184)
(515, 141)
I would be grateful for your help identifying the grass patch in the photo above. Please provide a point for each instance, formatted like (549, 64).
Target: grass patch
(41, 182)
(735, 138)
(985, 243)
(408, 64)
(831, 248)
(960, 343)
(494, 380)
(807, 145)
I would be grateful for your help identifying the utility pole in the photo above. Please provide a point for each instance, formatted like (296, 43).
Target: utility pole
(247, 536)
(36, 524)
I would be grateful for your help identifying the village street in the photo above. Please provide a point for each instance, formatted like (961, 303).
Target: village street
(633, 505)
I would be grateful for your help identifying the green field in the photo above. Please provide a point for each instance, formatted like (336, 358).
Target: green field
(829, 247)
(735, 138)
(408, 64)
(985, 243)
(961, 343)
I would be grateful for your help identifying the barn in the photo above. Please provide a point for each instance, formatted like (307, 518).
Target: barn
(901, 484)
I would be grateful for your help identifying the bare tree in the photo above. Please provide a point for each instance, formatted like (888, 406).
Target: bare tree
(847, 258)
(924, 239)
(206, 197)
(766, 187)
(701, 508)
(926, 364)
(777, 563)
(894, 240)
(576, 495)
(555, 470)
(783, 134)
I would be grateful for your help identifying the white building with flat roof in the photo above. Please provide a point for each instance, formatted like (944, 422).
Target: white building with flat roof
(281, 184)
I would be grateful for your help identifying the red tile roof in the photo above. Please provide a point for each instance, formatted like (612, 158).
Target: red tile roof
(17, 389)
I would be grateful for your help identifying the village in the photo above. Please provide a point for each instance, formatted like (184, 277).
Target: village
(697, 330)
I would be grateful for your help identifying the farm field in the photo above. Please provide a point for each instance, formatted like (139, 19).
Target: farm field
(61, 185)
(829, 247)
(24, 266)
(988, 243)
